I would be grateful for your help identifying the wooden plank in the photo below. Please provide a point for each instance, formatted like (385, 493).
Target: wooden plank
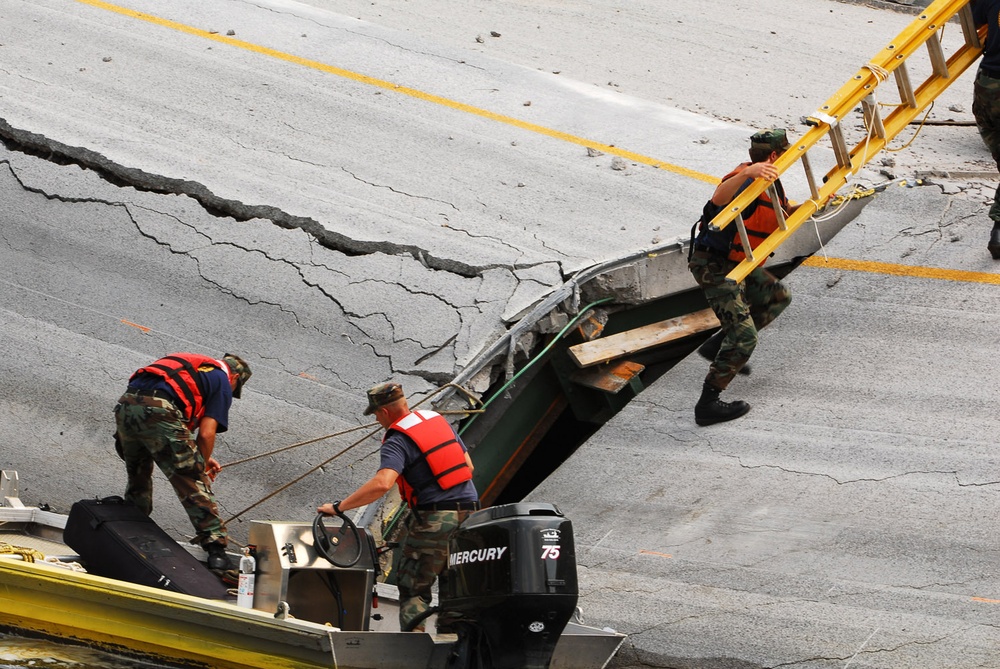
(610, 379)
(641, 339)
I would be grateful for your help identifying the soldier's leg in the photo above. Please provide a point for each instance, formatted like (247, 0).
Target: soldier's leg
(130, 420)
(178, 457)
(986, 109)
(424, 555)
(766, 295)
(194, 491)
(730, 307)
(729, 304)
(446, 620)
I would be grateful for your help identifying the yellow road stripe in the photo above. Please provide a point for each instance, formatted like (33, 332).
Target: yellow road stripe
(903, 270)
(412, 92)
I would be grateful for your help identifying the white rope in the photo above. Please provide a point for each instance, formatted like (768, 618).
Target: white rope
(73, 566)
(822, 246)
(881, 74)
(31, 555)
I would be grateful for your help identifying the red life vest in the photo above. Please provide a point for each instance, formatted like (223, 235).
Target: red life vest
(439, 447)
(761, 222)
(179, 370)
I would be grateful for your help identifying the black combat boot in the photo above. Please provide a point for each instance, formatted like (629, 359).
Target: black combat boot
(710, 409)
(711, 347)
(994, 245)
(217, 558)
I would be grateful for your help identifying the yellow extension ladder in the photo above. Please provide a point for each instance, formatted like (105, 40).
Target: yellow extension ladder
(861, 89)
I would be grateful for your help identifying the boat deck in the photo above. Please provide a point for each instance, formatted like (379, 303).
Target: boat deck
(117, 616)
(23, 539)
(28, 527)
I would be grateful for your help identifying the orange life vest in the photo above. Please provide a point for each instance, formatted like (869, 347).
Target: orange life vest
(179, 370)
(761, 222)
(439, 447)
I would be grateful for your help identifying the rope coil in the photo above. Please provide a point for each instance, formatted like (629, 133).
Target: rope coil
(26, 554)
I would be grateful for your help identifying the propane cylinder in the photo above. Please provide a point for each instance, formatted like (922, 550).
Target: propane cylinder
(248, 567)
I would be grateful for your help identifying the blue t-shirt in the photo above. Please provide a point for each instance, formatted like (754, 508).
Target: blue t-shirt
(217, 399)
(400, 454)
(988, 12)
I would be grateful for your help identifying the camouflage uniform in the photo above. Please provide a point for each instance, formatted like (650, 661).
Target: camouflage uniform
(742, 309)
(152, 429)
(986, 100)
(439, 492)
(423, 557)
(986, 109)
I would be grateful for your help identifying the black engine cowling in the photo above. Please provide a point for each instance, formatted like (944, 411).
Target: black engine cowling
(511, 579)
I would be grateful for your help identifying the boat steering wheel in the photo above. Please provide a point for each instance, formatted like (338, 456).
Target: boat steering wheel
(327, 545)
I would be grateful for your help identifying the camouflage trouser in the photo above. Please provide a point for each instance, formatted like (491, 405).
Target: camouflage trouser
(152, 430)
(986, 109)
(742, 309)
(424, 556)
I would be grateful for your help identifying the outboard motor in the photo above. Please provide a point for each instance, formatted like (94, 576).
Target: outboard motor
(511, 580)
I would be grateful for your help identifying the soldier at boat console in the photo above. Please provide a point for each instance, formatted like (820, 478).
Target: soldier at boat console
(430, 464)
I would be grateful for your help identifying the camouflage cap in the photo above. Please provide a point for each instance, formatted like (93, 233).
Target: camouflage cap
(238, 368)
(382, 394)
(774, 139)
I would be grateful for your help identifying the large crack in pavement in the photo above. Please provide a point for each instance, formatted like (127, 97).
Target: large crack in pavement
(24, 141)
(479, 317)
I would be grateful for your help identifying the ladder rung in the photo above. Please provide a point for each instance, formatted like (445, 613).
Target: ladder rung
(936, 54)
(741, 226)
(779, 211)
(872, 117)
(905, 89)
(813, 190)
(969, 28)
(840, 146)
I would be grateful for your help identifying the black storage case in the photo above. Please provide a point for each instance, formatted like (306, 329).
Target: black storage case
(512, 574)
(117, 540)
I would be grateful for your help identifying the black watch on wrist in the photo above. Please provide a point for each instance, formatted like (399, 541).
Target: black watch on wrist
(336, 507)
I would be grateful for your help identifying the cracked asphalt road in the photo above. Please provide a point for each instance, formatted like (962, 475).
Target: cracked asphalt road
(166, 189)
(340, 202)
(849, 519)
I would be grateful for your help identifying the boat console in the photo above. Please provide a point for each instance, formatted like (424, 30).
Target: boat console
(509, 591)
(293, 576)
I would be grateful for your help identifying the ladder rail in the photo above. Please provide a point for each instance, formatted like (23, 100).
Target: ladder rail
(860, 90)
(865, 150)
